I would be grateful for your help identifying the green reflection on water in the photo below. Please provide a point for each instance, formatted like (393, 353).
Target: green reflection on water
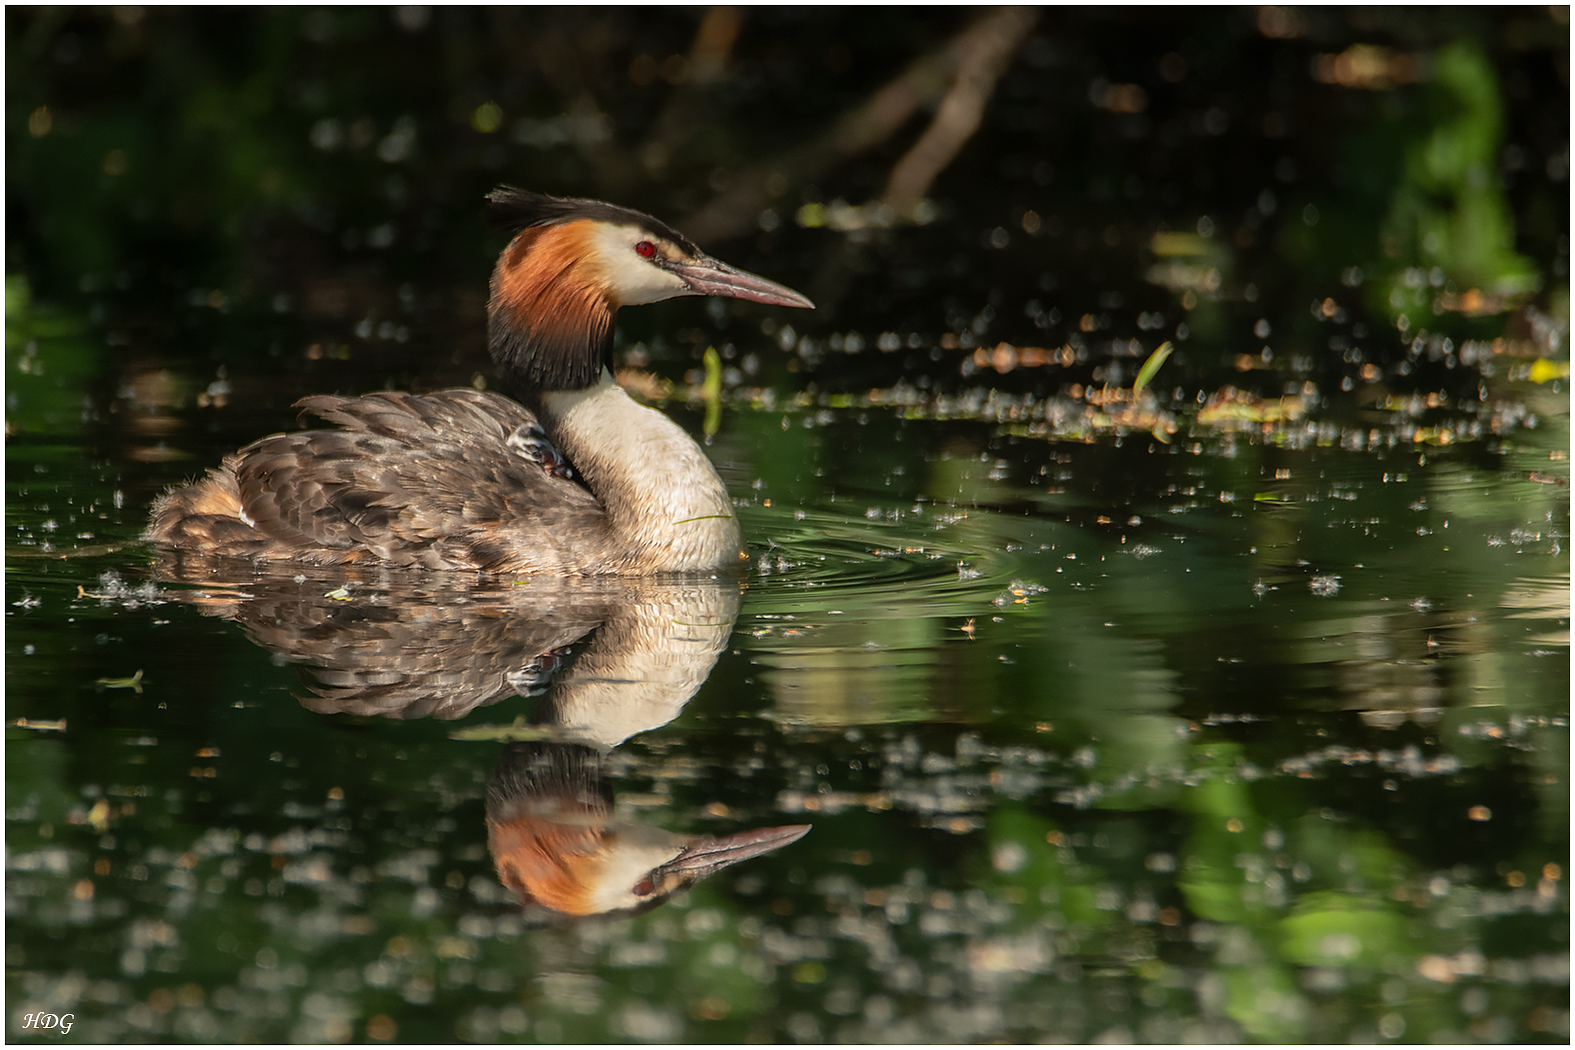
(1120, 842)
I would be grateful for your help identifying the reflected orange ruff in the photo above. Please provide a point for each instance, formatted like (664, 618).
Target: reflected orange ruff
(543, 860)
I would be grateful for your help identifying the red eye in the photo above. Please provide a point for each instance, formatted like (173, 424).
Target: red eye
(645, 250)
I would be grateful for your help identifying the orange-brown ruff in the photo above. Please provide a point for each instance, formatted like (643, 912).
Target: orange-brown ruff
(547, 286)
(456, 479)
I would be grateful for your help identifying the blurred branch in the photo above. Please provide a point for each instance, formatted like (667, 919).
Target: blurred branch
(569, 53)
(966, 68)
(688, 106)
(985, 52)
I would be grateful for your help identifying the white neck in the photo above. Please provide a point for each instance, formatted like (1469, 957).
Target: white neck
(667, 509)
(654, 650)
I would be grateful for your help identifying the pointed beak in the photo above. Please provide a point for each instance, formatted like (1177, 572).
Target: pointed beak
(707, 276)
(708, 855)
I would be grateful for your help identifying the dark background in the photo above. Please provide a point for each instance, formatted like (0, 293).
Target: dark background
(322, 169)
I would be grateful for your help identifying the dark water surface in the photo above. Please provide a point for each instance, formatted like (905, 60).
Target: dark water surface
(1232, 705)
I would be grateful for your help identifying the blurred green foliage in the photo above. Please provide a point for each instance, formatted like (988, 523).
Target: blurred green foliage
(51, 361)
(1449, 210)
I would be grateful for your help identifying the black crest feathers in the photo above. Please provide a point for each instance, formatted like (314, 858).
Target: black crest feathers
(515, 209)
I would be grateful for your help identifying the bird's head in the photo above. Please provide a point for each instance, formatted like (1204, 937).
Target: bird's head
(572, 264)
(558, 845)
(580, 864)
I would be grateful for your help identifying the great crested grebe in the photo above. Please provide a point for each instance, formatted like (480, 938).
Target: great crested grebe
(559, 842)
(461, 479)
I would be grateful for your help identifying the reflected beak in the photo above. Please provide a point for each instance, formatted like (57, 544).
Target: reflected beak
(708, 855)
(706, 276)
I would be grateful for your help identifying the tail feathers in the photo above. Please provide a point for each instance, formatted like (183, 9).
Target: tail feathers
(206, 515)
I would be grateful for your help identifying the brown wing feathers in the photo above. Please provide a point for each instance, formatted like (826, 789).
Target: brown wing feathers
(416, 480)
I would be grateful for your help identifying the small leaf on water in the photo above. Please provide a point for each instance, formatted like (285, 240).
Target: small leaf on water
(1151, 366)
(133, 683)
(503, 734)
(55, 726)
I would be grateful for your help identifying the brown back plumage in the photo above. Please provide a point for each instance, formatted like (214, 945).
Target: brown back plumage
(420, 480)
